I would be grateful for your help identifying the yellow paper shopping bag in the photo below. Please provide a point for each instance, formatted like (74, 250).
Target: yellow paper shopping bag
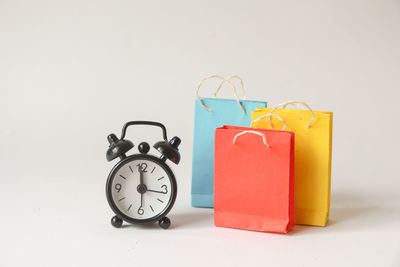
(313, 153)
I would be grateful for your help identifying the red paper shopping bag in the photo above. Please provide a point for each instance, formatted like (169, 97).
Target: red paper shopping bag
(254, 179)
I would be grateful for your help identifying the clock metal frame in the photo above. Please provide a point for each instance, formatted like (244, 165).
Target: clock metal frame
(162, 164)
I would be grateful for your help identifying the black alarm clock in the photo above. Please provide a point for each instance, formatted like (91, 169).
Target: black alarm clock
(141, 188)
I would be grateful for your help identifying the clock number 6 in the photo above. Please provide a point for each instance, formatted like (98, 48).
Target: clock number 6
(140, 211)
(118, 187)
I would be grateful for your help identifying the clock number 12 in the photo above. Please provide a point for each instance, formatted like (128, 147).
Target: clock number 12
(143, 166)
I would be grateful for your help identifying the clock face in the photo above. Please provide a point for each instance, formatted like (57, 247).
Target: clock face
(142, 188)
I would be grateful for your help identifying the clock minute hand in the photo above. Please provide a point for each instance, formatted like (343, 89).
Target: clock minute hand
(141, 175)
(141, 184)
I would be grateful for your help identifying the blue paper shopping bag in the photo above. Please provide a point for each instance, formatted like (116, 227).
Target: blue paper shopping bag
(209, 114)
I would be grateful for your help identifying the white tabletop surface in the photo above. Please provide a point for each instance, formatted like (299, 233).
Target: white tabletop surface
(47, 223)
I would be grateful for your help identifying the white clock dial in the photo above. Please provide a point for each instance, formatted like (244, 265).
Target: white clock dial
(126, 188)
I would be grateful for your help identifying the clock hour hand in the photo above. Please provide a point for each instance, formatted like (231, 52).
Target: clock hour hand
(161, 192)
(154, 191)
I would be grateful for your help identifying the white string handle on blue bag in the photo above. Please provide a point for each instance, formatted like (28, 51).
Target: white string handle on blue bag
(225, 80)
(251, 132)
(270, 115)
(297, 104)
(230, 78)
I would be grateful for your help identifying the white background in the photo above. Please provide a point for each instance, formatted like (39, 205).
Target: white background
(71, 72)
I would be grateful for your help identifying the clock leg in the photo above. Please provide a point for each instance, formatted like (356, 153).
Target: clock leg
(116, 222)
(164, 223)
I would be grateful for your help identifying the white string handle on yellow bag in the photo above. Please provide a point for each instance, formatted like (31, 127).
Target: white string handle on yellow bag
(270, 115)
(225, 80)
(230, 78)
(297, 104)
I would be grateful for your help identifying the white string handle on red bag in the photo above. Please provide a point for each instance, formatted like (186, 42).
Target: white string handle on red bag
(297, 104)
(225, 80)
(230, 78)
(252, 132)
(258, 133)
(270, 115)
